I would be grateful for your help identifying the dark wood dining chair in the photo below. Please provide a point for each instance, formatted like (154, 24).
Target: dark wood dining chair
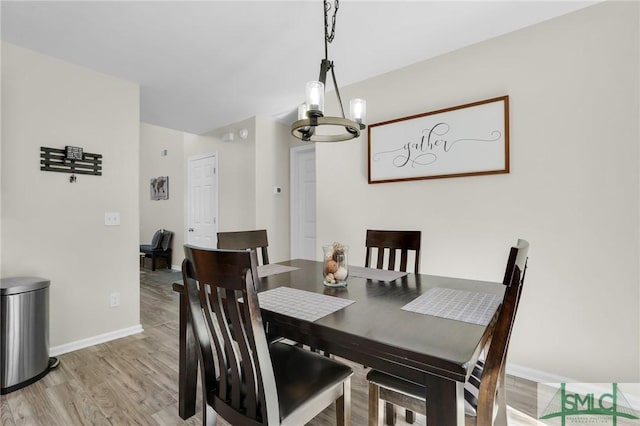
(242, 240)
(485, 388)
(392, 243)
(245, 379)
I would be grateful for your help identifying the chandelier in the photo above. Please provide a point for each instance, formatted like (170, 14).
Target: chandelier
(311, 113)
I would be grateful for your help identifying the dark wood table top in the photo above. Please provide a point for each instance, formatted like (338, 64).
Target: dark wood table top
(375, 331)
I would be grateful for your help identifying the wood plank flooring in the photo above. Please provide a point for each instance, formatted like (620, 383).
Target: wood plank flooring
(133, 380)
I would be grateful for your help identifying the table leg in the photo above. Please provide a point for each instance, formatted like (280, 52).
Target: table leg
(445, 402)
(188, 363)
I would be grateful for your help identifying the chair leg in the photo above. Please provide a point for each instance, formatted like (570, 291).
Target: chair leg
(209, 415)
(374, 400)
(390, 413)
(501, 396)
(409, 416)
(343, 405)
(153, 262)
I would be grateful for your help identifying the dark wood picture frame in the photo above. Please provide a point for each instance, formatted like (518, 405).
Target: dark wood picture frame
(465, 140)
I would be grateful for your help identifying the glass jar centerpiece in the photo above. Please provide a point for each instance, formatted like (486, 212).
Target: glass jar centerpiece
(336, 266)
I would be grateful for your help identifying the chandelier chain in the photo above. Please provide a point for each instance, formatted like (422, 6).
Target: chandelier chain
(329, 36)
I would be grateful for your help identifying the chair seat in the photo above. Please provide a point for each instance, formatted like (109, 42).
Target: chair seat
(302, 374)
(418, 391)
(148, 248)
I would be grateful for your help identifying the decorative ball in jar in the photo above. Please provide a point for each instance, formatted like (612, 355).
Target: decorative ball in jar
(336, 266)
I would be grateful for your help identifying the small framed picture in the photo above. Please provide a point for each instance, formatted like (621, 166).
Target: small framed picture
(160, 188)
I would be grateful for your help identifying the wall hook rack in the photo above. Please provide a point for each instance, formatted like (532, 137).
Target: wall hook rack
(70, 160)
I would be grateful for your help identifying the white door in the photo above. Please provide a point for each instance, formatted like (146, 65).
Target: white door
(303, 203)
(202, 202)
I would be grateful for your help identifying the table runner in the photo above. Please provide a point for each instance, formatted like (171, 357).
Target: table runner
(300, 304)
(459, 305)
(375, 274)
(273, 269)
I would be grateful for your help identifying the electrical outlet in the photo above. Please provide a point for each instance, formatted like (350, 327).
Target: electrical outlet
(112, 219)
(114, 300)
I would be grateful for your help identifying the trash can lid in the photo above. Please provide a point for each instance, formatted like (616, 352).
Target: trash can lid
(17, 285)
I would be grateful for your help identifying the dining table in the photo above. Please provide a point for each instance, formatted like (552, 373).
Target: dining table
(373, 328)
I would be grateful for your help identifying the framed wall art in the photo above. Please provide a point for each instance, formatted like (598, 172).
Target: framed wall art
(466, 140)
(160, 188)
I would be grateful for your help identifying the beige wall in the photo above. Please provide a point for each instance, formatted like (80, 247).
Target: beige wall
(272, 169)
(573, 190)
(236, 175)
(248, 171)
(165, 214)
(53, 228)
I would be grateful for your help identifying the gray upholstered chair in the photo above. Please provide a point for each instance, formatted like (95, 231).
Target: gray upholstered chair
(160, 247)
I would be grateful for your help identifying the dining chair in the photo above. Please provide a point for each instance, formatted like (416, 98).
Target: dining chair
(379, 242)
(484, 392)
(242, 240)
(245, 379)
(392, 242)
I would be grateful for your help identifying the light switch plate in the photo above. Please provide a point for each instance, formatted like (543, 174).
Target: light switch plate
(112, 219)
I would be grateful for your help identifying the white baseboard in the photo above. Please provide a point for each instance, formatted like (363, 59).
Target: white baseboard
(537, 375)
(584, 388)
(176, 268)
(95, 340)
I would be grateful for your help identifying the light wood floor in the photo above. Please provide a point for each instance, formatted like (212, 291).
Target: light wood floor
(134, 380)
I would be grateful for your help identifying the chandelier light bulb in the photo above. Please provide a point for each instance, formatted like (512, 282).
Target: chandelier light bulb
(358, 110)
(302, 111)
(314, 92)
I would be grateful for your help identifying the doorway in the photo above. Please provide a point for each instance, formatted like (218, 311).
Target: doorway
(202, 200)
(303, 202)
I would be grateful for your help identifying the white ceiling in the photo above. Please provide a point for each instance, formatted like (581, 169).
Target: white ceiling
(203, 65)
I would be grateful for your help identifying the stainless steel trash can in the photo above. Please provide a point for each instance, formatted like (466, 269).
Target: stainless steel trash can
(24, 332)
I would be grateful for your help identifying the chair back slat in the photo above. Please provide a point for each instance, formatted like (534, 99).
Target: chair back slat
(380, 263)
(222, 346)
(199, 326)
(390, 243)
(403, 260)
(245, 385)
(242, 240)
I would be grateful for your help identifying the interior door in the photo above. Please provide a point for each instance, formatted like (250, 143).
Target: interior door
(303, 203)
(202, 226)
